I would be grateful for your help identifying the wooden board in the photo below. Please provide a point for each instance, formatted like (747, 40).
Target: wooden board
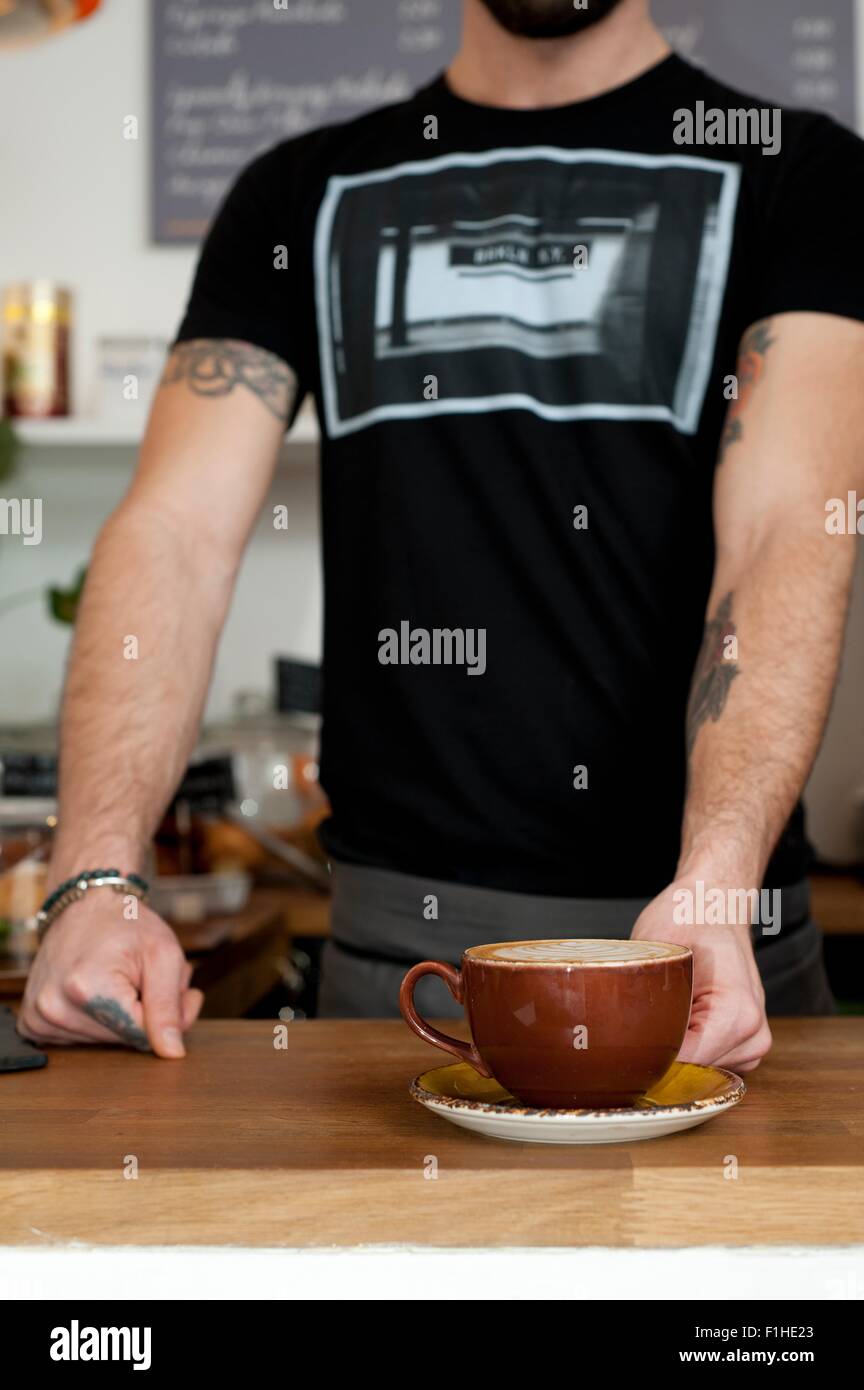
(320, 1144)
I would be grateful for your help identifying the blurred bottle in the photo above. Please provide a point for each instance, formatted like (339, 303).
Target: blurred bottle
(36, 328)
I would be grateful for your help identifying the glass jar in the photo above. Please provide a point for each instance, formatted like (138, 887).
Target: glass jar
(26, 833)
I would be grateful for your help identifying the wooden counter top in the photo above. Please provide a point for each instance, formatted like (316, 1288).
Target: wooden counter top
(320, 1144)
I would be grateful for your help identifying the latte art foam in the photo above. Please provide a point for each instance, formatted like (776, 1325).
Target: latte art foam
(576, 952)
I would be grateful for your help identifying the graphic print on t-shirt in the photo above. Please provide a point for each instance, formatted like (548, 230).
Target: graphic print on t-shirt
(464, 268)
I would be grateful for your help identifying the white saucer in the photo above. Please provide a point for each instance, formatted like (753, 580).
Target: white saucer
(687, 1096)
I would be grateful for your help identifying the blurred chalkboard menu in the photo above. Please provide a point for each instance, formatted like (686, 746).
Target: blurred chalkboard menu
(232, 77)
(791, 52)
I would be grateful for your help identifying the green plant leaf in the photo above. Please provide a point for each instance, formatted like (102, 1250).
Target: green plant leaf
(63, 603)
(9, 446)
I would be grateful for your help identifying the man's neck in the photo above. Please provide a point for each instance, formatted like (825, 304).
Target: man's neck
(494, 68)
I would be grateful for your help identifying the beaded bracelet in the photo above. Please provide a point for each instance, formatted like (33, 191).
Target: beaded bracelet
(73, 889)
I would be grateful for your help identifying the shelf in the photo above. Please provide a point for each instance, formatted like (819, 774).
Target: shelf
(51, 434)
(84, 433)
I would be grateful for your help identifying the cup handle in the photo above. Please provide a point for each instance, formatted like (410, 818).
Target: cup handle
(466, 1052)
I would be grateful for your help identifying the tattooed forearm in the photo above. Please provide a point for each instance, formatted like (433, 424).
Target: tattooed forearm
(751, 366)
(112, 1015)
(215, 366)
(716, 669)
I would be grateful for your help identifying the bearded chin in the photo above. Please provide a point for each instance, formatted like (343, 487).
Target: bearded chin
(548, 19)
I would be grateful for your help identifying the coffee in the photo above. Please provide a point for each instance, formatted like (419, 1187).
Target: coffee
(566, 1024)
(573, 952)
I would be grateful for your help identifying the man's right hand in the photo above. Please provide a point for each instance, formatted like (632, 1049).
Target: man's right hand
(98, 978)
(163, 567)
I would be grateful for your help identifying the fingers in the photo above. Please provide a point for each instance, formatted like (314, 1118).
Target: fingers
(41, 1033)
(55, 1021)
(74, 1015)
(696, 1048)
(122, 1017)
(162, 989)
(748, 1055)
(191, 1007)
(91, 984)
(737, 1041)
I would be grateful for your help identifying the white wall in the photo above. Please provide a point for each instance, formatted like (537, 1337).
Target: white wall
(276, 609)
(75, 207)
(76, 194)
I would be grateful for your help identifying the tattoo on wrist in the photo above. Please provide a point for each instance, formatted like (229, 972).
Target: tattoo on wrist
(215, 366)
(751, 366)
(114, 1017)
(716, 669)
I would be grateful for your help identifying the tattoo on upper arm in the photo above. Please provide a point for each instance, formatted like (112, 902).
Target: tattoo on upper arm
(751, 367)
(716, 669)
(214, 366)
(113, 1016)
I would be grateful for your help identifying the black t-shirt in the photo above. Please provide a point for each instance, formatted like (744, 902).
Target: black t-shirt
(475, 389)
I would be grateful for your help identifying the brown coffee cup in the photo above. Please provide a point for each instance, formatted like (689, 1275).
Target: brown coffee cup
(576, 1024)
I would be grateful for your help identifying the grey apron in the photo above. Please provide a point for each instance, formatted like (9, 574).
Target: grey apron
(383, 922)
